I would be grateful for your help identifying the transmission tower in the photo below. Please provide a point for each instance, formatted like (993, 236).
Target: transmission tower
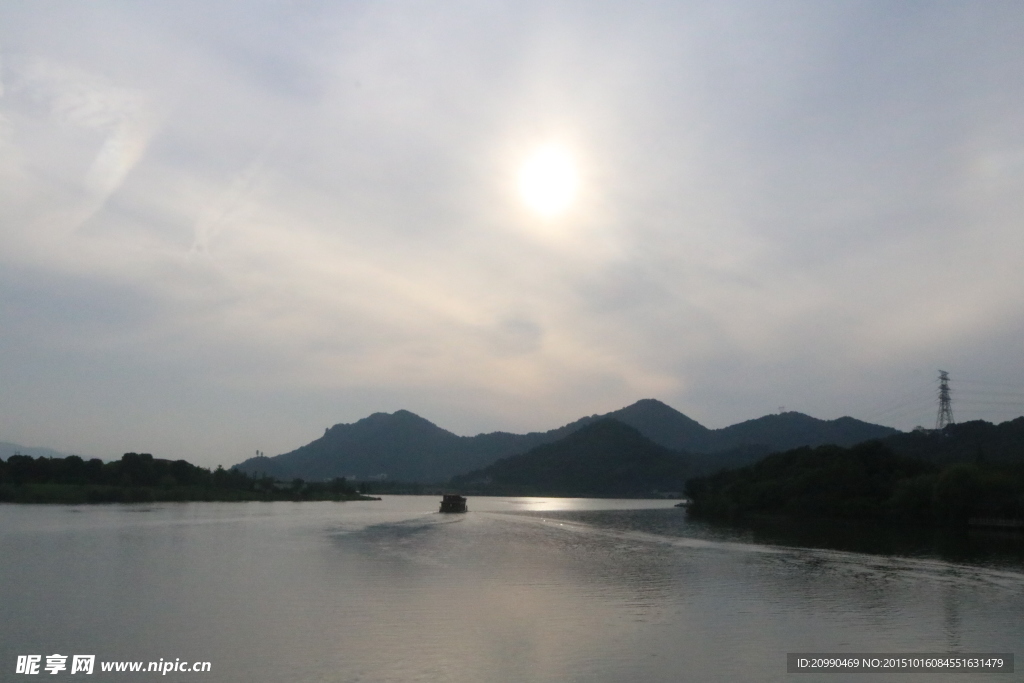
(945, 416)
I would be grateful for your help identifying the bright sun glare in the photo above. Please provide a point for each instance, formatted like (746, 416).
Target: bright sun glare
(548, 181)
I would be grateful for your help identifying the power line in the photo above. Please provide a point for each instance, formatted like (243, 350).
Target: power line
(988, 395)
(912, 401)
(1015, 385)
(978, 400)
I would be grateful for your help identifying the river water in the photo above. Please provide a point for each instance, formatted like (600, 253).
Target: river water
(518, 589)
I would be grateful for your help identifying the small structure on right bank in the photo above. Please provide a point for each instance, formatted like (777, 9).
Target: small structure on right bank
(452, 502)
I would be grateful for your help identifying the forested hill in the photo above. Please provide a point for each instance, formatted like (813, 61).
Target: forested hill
(401, 446)
(783, 431)
(603, 458)
(405, 447)
(975, 441)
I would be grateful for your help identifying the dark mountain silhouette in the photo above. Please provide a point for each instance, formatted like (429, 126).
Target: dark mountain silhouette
(405, 447)
(400, 444)
(602, 458)
(783, 431)
(660, 423)
(8, 449)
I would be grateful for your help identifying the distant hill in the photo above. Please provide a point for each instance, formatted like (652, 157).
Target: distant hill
(660, 423)
(670, 428)
(405, 447)
(399, 445)
(8, 449)
(784, 431)
(602, 458)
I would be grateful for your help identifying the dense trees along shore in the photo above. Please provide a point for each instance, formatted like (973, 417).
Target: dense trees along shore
(867, 481)
(139, 477)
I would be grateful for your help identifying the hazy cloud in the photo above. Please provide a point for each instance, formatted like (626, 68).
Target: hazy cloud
(226, 227)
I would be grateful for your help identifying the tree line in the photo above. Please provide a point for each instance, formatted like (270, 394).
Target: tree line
(139, 477)
(866, 481)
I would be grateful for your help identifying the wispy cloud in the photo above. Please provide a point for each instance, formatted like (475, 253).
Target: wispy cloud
(124, 118)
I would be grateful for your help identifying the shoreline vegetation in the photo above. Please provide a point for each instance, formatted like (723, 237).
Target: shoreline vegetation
(868, 481)
(141, 478)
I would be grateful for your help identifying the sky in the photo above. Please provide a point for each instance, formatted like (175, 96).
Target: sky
(226, 226)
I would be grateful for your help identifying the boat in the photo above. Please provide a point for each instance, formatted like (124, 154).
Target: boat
(453, 503)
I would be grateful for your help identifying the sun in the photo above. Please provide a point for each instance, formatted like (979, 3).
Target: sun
(548, 181)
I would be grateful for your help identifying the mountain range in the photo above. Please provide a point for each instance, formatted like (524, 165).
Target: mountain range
(7, 449)
(402, 446)
(602, 458)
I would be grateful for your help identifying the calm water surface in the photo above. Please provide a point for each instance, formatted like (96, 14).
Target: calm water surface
(518, 589)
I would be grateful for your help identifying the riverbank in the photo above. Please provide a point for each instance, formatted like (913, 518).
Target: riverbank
(141, 478)
(67, 494)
